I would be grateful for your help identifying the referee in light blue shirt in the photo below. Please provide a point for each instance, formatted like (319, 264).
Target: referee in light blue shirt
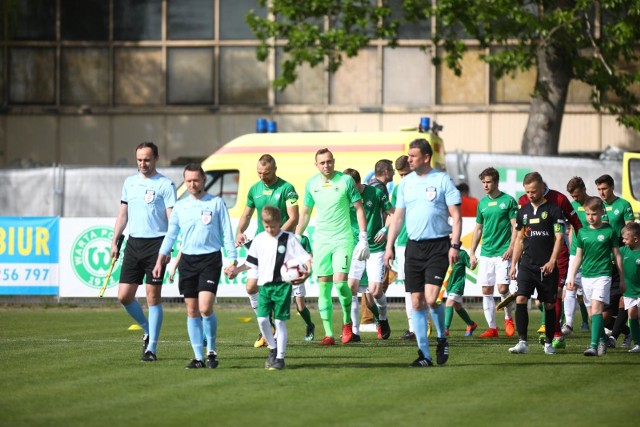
(425, 200)
(146, 204)
(205, 225)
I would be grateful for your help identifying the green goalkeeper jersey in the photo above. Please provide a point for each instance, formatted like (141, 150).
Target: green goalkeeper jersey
(332, 200)
(375, 203)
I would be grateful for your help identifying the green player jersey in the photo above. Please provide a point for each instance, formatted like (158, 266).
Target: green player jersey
(617, 213)
(582, 216)
(401, 240)
(375, 203)
(495, 215)
(332, 200)
(596, 245)
(631, 267)
(458, 274)
(281, 195)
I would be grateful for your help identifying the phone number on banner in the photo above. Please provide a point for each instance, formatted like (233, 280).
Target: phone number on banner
(21, 275)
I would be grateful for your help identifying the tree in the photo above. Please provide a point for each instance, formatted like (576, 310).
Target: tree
(596, 42)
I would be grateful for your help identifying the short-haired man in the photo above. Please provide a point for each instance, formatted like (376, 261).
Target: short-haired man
(147, 200)
(427, 197)
(204, 224)
(272, 190)
(333, 193)
(383, 174)
(540, 226)
(495, 225)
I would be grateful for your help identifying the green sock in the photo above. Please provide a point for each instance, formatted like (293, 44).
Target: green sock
(374, 311)
(344, 295)
(325, 307)
(306, 316)
(584, 313)
(635, 330)
(448, 316)
(597, 329)
(465, 316)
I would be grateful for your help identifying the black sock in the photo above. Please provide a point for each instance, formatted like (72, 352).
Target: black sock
(550, 321)
(522, 321)
(621, 324)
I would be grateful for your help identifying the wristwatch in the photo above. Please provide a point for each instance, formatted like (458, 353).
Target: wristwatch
(233, 263)
(455, 246)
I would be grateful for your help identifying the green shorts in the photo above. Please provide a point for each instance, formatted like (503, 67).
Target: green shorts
(329, 259)
(276, 297)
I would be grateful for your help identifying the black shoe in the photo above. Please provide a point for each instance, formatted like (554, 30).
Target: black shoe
(195, 364)
(212, 360)
(355, 338)
(385, 329)
(408, 335)
(311, 332)
(145, 343)
(442, 351)
(421, 361)
(149, 356)
(277, 365)
(271, 360)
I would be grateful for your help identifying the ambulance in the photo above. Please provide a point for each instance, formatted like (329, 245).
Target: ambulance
(231, 170)
(631, 181)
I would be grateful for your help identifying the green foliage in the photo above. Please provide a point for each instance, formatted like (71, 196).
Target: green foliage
(80, 367)
(321, 32)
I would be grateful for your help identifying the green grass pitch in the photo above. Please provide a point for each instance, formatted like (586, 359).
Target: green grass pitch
(79, 366)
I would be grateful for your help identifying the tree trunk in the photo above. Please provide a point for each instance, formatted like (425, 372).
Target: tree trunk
(554, 72)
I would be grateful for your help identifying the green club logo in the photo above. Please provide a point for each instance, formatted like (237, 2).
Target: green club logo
(91, 257)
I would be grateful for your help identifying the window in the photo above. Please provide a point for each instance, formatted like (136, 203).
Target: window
(469, 88)
(32, 76)
(190, 19)
(137, 19)
(138, 76)
(405, 85)
(221, 184)
(190, 75)
(234, 26)
(84, 76)
(34, 19)
(356, 81)
(309, 87)
(409, 30)
(84, 19)
(243, 79)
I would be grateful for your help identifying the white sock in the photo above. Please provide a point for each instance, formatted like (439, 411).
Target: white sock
(283, 334)
(508, 310)
(265, 329)
(409, 307)
(382, 306)
(355, 315)
(253, 300)
(489, 306)
(569, 306)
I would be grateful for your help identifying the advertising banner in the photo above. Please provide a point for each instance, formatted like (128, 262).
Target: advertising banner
(29, 255)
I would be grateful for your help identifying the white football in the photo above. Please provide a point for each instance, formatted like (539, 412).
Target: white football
(292, 270)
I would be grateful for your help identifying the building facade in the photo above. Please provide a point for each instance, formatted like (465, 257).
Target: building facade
(84, 81)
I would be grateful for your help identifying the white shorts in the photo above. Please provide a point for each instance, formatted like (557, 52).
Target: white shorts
(298, 290)
(455, 298)
(597, 288)
(631, 302)
(374, 266)
(399, 262)
(493, 271)
(578, 278)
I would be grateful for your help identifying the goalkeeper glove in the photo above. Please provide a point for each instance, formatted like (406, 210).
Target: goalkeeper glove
(361, 252)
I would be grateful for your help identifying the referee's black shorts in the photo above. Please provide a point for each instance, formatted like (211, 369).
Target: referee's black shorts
(425, 263)
(199, 273)
(140, 256)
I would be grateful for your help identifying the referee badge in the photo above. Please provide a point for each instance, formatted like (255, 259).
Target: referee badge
(149, 195)
(205, 216)
(431, 193)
